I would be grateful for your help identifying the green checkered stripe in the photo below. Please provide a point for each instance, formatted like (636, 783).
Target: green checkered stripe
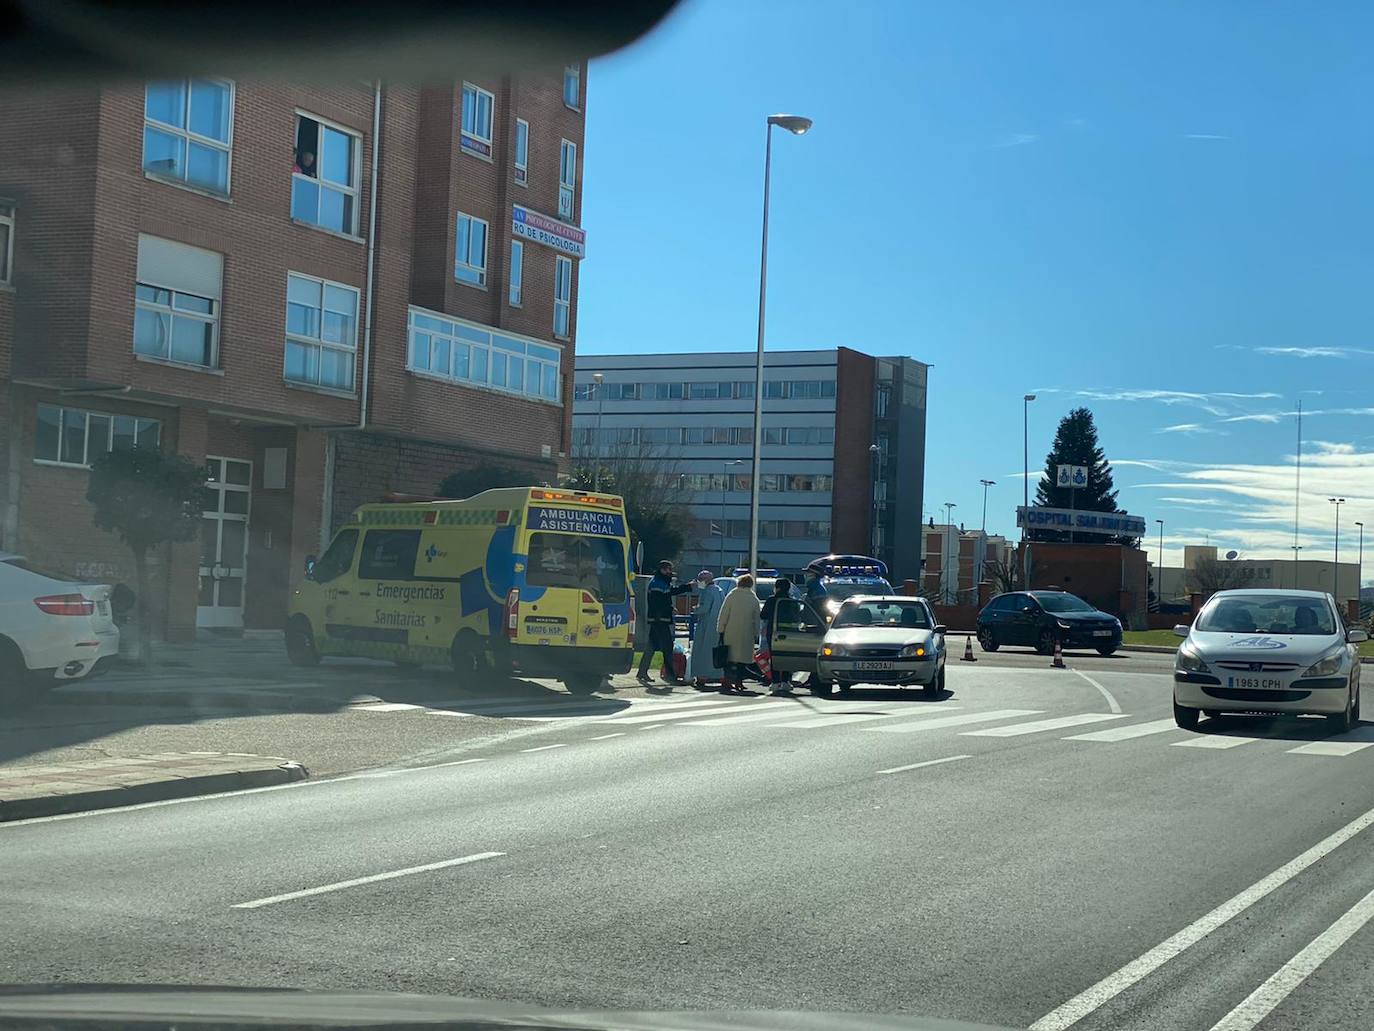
(416, 517)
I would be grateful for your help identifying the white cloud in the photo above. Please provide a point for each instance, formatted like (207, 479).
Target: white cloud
(1190, 428)
(1017, 139)
(1205, 136)
(1269, 417)
(1315, 352)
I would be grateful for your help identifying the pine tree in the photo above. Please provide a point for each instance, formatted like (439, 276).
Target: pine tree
(1075, 443)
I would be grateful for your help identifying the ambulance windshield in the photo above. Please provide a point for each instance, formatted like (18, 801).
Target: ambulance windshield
(594, 564)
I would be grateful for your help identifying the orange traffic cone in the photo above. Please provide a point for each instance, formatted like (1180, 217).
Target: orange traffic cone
(1058, 662)
(968, 651)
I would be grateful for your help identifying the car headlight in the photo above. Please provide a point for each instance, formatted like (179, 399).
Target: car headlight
(1189, 661)
(832, 651)
(913, 651)
(1328, 665)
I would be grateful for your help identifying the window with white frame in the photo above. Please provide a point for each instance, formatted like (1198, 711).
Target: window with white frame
(324, 179)
(479, 108)
(567, 179)
(176, 302)
(517, 272)
(572, 86)
(74, 436)
(321, 332)
(562, 296)
(470, 251)
(522, 151)
(187, 129)
(6, 241)
(477, 355)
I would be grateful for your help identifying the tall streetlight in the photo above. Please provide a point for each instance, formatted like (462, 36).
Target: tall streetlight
(1336, 562)
(1159, 579)
(1025, 486)
(797, 125)
(725, 487)
(951, 549)
(597, 379)
(1359, 567)
(986, 484)
(875, 452)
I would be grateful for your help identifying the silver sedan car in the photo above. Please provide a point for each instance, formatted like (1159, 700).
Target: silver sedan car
(1269, 651)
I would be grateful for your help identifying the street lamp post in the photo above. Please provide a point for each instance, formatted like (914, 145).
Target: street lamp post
(986, 484)
(725, 487)
(1025, 485)
(1359, 567)
(597, 380)
(876, 453)
(797, 125)
(1336, 561)
(1159, 578)
(951, 593)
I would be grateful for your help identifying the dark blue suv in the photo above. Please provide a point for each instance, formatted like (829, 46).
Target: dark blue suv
(1039, 618)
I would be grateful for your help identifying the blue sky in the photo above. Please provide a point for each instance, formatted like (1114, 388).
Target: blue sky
(1162, 211)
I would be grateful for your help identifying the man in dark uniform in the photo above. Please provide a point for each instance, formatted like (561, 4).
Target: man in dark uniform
(662, 590)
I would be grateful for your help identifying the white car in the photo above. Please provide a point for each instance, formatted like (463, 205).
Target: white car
(873, 639)
(1268, 651)
(51, 629)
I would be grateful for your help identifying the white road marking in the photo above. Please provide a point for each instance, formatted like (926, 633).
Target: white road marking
(1035, 727)
(840, 718)
(952, 721)
(656, 726)
(603, 737)
(928, 762)
(685, 713)
(1127, 732)
(1214, 741)
(545, 748)
(1139, 968)
(1330, 748)
(272, 900)
(1111, 702)
(772, 712)
(385, 706)
(1259, 1003)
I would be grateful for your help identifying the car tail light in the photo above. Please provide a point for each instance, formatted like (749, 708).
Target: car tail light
(513, 612)
(65, 605)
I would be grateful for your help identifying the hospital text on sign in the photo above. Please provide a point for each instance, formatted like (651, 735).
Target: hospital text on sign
(1111, 524)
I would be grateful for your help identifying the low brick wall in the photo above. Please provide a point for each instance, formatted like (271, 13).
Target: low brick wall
(957, 617)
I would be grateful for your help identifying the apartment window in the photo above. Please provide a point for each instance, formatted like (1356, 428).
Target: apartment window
(773, 434)
(665, 391)
(572, 86)
(478, 108)
(321, 332)
(522, 151)
(567, 179)
(187, 126)
(583, 391)
(744, 389)
(324, 179)
(176, 302)
(470, 252)
(562, 296)
(74, 436)
(517, 272)
(476, 355)
(6, 241)
(658, 435)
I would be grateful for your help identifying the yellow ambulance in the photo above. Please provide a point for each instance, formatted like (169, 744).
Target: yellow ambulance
(521, 580)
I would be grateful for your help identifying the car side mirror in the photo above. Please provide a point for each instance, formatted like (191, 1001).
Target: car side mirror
(310, 561)
(1027, 608)
(941, 629)
(1180, 629)
(1356, 636)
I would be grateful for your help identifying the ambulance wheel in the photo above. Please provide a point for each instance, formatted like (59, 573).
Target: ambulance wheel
(583, 683)
(300, 642)
(468, 656)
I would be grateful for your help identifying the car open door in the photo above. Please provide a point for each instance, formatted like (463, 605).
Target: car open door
(798, 631)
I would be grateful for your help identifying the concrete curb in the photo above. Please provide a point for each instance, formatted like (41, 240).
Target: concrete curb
(239, 701)
(1154, 649)
(153, 791)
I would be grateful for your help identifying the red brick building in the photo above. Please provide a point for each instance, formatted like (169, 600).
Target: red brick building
(325, 293)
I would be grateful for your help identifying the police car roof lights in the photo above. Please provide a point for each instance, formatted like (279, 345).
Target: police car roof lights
(848, 565)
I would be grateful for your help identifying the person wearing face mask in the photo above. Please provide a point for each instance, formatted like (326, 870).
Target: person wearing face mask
(701, 667)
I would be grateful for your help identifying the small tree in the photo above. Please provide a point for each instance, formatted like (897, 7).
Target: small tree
(467, 482)
(149, 498)
(1006, 574)
(1210, 575)
(1075, 443)
(655, 505)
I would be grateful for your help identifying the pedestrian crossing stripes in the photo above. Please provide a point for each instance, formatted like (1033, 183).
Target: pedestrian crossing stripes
(621, 716)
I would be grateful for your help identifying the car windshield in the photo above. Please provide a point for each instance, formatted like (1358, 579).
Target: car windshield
(1267, 614)
(883, 613)
(838, 592)
(593, 564)
(1063, 603)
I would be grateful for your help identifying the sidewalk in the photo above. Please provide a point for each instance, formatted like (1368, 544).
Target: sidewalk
(68, 787)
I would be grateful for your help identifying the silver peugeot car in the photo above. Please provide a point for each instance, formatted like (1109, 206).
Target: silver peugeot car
(1270, 651)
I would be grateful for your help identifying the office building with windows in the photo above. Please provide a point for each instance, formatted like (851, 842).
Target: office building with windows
(324, 293)
(843, 448)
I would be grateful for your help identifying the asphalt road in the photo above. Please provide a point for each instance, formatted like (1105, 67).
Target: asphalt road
(1037, 848)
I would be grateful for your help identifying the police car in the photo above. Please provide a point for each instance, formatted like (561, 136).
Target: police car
(833, 579)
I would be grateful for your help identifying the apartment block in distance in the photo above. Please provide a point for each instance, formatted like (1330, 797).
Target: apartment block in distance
(843, 448)
(324, 293)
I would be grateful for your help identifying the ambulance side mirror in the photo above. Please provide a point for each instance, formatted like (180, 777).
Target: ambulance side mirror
(309, 566)
(639, 556)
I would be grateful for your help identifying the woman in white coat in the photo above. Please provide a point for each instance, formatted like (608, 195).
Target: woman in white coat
(701, 667)
(738, 625)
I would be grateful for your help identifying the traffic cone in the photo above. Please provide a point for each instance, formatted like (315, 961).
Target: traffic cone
(1058, 662)
(968, 651)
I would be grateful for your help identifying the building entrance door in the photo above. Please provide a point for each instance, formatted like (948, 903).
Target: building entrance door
(224, 543)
